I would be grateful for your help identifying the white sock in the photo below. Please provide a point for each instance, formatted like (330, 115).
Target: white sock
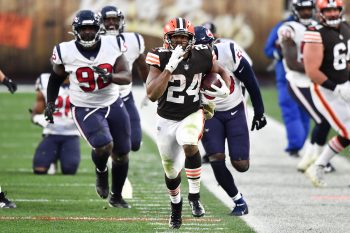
(175, 195)
(237, 197)
(325, 157)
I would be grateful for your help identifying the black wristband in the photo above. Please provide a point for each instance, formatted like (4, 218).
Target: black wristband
(329, 85)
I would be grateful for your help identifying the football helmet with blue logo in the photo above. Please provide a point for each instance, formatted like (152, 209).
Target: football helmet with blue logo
(86, 28)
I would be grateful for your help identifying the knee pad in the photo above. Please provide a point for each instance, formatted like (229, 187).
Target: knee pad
(240, 165)
(40, 171)
(104, 151)
(216, 157)
(120, 159)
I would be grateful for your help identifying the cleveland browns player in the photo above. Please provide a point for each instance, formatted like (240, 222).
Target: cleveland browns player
(174, 80)
(326, 57)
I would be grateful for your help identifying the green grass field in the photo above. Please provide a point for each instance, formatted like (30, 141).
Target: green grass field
(69, 203)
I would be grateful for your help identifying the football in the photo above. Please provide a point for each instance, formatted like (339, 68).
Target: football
(207, 81)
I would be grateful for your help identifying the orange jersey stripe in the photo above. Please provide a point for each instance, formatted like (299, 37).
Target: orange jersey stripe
(152, 59)
(312, 37)
(342, 128)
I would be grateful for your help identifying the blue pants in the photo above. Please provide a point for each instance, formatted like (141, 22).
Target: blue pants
(66, 149)
(135, 122)
(101, 126)
(296, 120)
(233, 127)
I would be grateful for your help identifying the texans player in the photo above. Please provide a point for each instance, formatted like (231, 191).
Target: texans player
(94, 65)
(229, 121)
(326, 57)
(60, 140)
(174, 80)
(113, 24)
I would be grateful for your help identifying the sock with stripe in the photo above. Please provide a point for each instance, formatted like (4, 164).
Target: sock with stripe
(193, 167)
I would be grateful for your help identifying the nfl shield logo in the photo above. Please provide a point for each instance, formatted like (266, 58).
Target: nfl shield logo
(186, 66)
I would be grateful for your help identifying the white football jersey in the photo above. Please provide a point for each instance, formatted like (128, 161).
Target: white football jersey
(88, 89)
(229, 57)
(135, 45)
(64, 124)
(296, 31)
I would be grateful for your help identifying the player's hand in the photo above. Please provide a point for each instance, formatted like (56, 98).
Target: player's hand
(208, 109)
(175, 59)
(10, 84)
(49, 110)
(259, 121)
(144, 101)
(221, 92)
(343, 90)
(103, 73)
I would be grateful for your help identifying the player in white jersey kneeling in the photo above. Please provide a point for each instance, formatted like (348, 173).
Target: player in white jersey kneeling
(60, 140)
(229, 121)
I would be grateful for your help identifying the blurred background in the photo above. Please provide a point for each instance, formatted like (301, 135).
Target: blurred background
(29, 29)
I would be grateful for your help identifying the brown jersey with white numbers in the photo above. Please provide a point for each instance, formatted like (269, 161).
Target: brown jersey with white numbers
(181, 97)
(336, 54)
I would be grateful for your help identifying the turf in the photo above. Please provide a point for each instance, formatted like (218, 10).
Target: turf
(69, 203)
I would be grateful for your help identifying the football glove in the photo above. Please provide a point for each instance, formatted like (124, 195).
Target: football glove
(343, 90)
(10, 84)
(49, 110)
(258, 122)
(175, 59)
(208, 109)
(221, 92)
(103, 73)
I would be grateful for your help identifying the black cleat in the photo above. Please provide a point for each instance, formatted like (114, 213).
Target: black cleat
(294, 153)
(329, 168)
(118, 202)
(175, 220)
(205, 159)
(6, 203)
(241, 208)
(197, 208)
(102, 187)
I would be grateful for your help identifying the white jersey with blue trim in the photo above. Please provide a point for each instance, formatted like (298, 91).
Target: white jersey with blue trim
(135, 45)
(64, 124)
(245, 54)
(229, 57)
(295, 31)
(88, 89)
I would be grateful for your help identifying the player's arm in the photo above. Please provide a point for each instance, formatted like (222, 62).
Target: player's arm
(121, 75)
(157, 82)
(290, 53)
(37, 110)
(216, 68)
(140, 68)
(58, 75)
(313, 57)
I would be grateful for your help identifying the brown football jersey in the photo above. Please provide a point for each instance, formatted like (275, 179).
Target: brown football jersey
(182, 96)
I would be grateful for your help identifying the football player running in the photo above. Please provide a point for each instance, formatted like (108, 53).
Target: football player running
(61, 141)
(326, 57)
(174, 80)
(113, 24)
(290, 36)
(229, 121)
(95, 64)
(12, 86)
